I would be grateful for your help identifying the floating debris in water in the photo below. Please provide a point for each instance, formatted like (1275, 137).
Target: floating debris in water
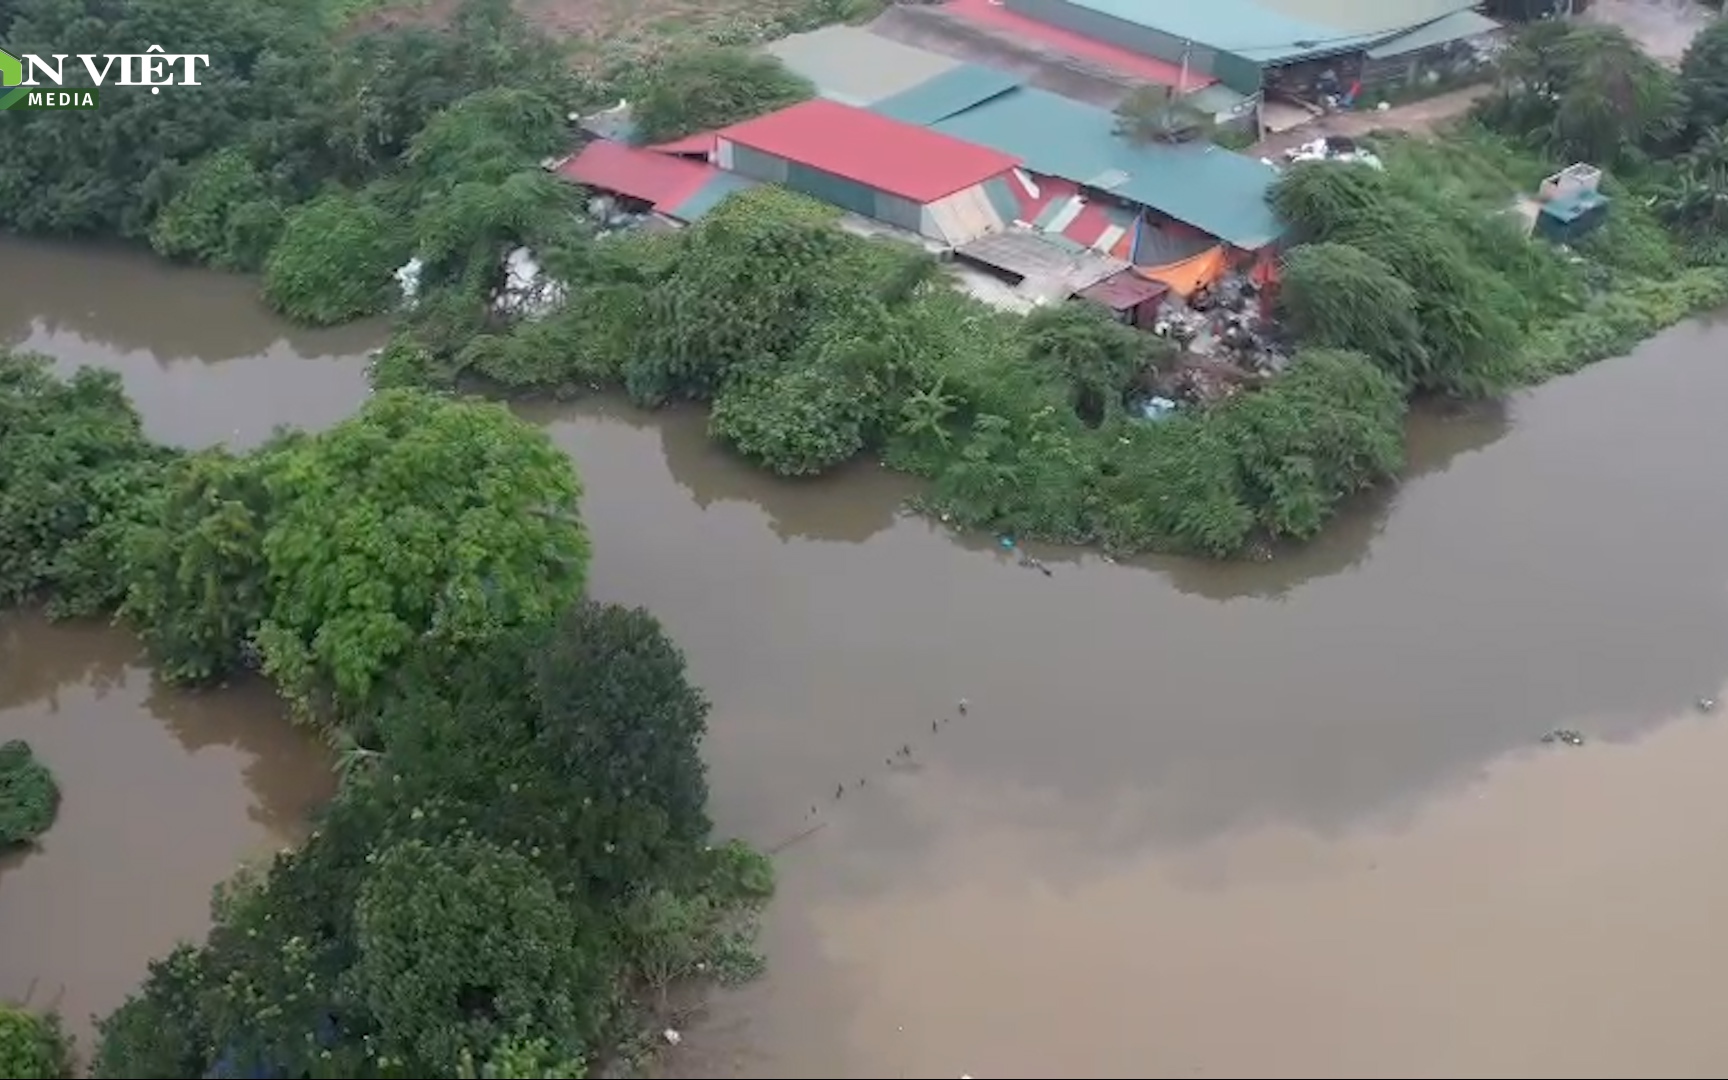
(962, 706)
(1706, 705)
(1564, 735)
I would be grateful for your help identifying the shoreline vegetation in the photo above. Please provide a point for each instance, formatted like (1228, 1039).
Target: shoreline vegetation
(517, 877)
(518, 869)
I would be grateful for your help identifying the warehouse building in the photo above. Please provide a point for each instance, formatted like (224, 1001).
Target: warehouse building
(1293, 48)
(900, 174)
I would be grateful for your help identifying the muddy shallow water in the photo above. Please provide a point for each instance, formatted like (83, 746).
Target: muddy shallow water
(1284, 819)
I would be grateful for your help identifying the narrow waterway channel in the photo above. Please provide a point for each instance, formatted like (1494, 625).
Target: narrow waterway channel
(1286, 819)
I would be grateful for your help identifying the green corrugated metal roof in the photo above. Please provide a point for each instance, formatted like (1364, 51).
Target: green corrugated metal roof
(1215, 100)
(1211, 188)
(710, 195)
(1278, 31)
(1457, 26)
(946, 94)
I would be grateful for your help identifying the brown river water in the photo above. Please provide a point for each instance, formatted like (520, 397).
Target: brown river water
(1287, 819)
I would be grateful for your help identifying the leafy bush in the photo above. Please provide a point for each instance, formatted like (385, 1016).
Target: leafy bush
(335, 262)
(32, 1047)
(225, 215)
(29, 797)
(77, 465)
(709, 87)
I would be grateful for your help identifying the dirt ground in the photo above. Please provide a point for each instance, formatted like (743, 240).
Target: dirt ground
(1663, 27)
(1417, 116)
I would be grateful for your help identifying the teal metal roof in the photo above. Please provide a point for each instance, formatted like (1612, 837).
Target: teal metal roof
(948, 93)
(1249, 29)
(709, 195)
(1277, 31)
(1458, 26)
(1206, 186)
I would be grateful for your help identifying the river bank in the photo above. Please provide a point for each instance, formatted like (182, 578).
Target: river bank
(1557, 563)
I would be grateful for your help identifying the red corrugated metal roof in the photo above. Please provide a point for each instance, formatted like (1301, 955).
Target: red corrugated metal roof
(991, 15)
(901, 159)
(639, 174)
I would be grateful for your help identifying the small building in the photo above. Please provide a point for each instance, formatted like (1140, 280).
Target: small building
(1293, 48)
(647, 181)
(851, 65)
(915, 179)
(1130, 298)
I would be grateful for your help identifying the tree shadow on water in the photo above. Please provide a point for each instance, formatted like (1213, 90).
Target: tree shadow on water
(115, 298)
(40, 657)
(287, 770)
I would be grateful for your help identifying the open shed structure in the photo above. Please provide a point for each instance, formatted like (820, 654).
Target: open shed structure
(897, 173)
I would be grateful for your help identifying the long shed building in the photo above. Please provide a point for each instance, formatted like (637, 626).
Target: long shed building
(897, 173)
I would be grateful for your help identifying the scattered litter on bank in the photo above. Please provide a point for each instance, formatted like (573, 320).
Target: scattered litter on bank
(1339, 148)
(1564, 735)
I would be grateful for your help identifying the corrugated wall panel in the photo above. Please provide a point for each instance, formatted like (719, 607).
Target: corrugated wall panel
(752, 163)
(831, 189)
(898, 212)
(962, 217)
(1238, 73)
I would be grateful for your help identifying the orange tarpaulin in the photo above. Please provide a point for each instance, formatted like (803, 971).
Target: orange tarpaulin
(1192, 273)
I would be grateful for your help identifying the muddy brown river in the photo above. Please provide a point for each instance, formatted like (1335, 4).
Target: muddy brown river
(1288, 819)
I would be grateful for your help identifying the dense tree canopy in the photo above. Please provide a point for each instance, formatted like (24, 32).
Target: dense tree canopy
(29, 797)
(477, 902)
(519, 860)
(1585, 92)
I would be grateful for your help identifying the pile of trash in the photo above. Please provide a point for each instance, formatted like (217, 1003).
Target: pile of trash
(1224, 323)
(1334, 148)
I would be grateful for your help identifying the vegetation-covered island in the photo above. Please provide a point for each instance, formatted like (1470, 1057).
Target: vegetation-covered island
(519, 866)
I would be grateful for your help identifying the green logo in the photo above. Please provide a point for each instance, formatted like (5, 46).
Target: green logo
(11, 79)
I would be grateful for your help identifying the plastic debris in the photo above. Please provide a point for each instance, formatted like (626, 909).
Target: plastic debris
(672, 1037)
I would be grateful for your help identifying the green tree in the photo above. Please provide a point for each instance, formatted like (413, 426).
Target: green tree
(707, 87)
(32, 1047)
(1585, 92)
(462, 943)
(77, 465)
(1704, 77)
(197, 579)
(336, 261)
(421, 519)
(29, 797)
(224, 215)
(756, 277)
(1333, 426)
(1097, 357)
(115, 169)
(1339, 297)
